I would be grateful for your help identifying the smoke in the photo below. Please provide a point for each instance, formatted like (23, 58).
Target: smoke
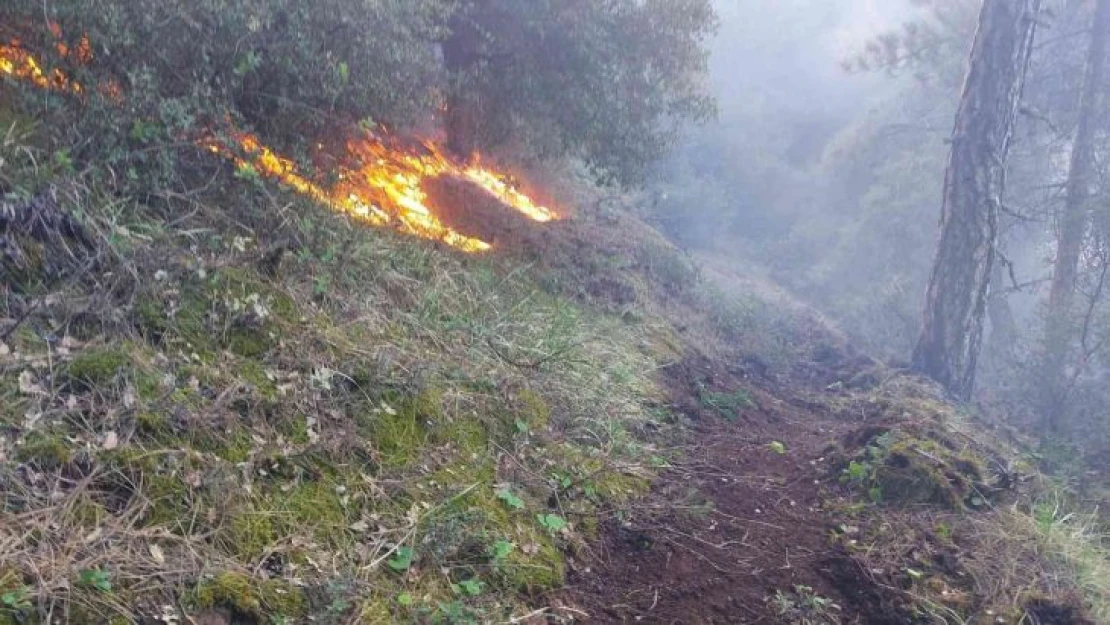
(798, 178)
(790, 52)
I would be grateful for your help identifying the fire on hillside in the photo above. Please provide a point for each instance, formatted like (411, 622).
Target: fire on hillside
(379, 180)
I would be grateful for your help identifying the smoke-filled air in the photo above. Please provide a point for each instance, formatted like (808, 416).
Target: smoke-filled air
(538, 312)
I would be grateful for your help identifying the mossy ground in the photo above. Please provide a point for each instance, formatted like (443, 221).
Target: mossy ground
(951, 514)
(281, 443)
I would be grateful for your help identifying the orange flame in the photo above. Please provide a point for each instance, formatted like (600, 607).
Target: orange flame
(383, 184)
(18, 63)
(375, 195)
(380, 183)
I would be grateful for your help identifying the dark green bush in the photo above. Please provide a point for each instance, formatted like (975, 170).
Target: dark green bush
(285, 68)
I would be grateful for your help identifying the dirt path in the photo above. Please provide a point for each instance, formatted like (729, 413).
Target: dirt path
(729, 526)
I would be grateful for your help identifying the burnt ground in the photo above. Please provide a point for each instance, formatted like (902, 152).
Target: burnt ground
(731, 523)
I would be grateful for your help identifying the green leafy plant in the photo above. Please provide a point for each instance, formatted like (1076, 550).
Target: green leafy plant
(248, 63)
(857, 473)
(454, 612)
(469, 587)
(552, 522)
(563, 478)
(247, 172)
(403, 559)
(803, 606)
(729, 406)
(500, 550)
(510, 499)
(777, 447)
(18, 599)
(875, 494)
(95, 578)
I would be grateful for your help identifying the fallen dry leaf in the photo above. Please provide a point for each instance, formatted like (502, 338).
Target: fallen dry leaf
(156, 553)
(111, 441)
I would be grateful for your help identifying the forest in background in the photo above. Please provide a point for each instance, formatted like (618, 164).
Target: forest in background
(833, 184)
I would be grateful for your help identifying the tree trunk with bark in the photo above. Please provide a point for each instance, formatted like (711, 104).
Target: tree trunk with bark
(1073, 222)
(959, 287)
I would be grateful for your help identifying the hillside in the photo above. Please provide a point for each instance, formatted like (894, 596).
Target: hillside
(378, 429)
(261, 403)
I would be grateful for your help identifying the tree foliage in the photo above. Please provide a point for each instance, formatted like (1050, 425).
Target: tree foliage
(610, 81)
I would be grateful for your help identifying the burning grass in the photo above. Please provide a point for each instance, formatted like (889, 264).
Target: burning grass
(380, 181)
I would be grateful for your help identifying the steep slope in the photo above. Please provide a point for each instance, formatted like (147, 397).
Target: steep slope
(251, 409)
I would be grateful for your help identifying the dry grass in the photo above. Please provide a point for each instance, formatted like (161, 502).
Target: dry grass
(300, 430)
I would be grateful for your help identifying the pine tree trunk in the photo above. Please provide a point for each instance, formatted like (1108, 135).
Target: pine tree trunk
(1073, 221)
(959, 287)
(462, 56)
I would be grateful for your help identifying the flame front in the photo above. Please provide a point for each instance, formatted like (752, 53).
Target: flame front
(18, 63)
(380, 181)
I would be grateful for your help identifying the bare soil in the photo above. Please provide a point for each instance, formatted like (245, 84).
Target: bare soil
(732, 523)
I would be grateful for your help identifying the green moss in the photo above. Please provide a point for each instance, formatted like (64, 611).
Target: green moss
(249, 342)
(97, 368)
(86, 513)
(596, 479)
(218, 312)
(12, 402)
(466, 526)
(541, 570)
(82, 613)
(149, 316)
(467, 434)
(617, 487)
(427, 405)
(398, 428)
(26, 339)
(257, 598)
(533, 409)
(295, 429)
(171, 502)
(252, 372)
(249, 535)
(375, 610)
(45, 451)
(235, 448)
(316, 504)
(153, 425)
(182, 319)
(148, 386)
(914, 471)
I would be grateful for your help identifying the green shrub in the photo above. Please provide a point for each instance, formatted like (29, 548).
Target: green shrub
(288, 69)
